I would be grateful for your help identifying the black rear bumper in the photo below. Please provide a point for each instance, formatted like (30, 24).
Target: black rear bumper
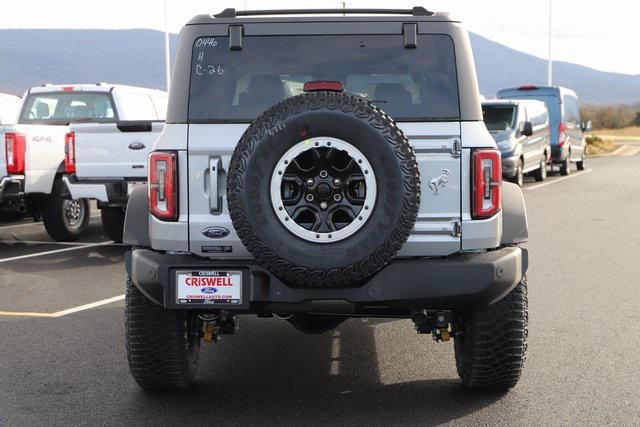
(458, 281)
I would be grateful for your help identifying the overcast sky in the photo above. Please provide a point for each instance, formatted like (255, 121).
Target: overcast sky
(602, 35)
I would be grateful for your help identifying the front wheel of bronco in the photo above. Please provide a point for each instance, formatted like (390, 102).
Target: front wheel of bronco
(490, 350)
(162, 345)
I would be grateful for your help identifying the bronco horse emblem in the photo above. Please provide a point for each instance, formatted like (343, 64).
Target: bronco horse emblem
(439, 181)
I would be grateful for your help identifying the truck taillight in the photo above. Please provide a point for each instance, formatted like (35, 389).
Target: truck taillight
(163, 188)
(15, 146)
(70, 152)
(487, 180)
(562, 134)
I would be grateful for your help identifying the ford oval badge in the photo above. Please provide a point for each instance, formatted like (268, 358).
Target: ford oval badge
(215, 232)
(208, 290)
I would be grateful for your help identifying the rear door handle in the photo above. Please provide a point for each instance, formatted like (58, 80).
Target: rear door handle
(136, 146)
(215, 200)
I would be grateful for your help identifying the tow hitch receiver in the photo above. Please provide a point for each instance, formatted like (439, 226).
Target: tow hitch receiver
(216, 325)
(436, 323)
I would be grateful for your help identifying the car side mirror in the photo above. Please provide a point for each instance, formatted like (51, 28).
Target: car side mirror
(527, 129)
(587, 126)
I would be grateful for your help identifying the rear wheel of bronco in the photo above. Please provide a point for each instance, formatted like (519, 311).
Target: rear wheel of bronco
(582, 164)
(490, 351)
(64, 219)
(113, 222)
(323, 189)
(162, 345)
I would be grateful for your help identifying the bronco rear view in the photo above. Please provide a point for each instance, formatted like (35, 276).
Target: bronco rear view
(318, 165)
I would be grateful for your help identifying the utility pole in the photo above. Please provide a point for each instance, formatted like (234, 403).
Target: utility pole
(549, 60)
(167, 53)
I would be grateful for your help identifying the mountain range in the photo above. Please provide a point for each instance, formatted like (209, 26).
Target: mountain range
(136, 57)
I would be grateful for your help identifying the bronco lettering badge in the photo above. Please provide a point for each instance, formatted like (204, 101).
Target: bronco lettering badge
(215, 232)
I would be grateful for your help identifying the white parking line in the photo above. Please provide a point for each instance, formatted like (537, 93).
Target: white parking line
(535, 187)
(38, 242)
(62, 312)
(56, 251)
(29, 224)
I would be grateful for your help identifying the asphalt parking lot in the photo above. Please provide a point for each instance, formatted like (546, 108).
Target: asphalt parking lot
(63, 359)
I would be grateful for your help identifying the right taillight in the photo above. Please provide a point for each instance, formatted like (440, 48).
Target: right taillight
(15, 147)
(70, 152)
(487, 180)
(162, 184)
(562, 134)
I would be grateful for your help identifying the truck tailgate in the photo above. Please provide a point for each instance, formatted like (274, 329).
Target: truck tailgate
(114, 150)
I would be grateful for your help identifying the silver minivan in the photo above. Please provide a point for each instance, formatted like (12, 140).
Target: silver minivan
(567, 130)
(521, 130)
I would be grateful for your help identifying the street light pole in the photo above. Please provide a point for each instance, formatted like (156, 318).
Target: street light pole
(167, 57)
(549, 60)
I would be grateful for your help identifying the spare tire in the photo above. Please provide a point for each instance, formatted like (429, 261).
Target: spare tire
(323, 189)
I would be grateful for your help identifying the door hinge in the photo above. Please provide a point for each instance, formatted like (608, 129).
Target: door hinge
(456, 148)
(456, 230)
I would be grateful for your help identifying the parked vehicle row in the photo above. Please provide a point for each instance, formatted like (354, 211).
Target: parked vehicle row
(535, 126)
(73, 143)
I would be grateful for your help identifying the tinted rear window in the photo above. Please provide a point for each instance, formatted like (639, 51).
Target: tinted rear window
(409, 84)
(67, 107)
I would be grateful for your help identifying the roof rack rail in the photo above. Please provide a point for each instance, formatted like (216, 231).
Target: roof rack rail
(232, 13)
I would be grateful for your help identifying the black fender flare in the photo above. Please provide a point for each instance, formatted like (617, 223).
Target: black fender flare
(136, 220)
(515, 228)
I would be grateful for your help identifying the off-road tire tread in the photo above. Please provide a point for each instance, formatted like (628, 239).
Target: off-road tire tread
(157, 345)
(491, 352)
(113, 223)
(344, 275)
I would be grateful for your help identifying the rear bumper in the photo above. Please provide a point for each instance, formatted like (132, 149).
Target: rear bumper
(559, 154)
(110, 192)
(11, 187)
(462, 280)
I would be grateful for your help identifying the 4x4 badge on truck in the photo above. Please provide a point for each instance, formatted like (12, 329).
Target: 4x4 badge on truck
(215, 232)
(439, 181)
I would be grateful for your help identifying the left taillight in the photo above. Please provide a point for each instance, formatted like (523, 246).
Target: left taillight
(15, 148)
(162, 184)
(487, 180)
(70, 152)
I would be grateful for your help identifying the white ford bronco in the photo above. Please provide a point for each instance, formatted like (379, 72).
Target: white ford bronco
(318, 165)
(42, 140)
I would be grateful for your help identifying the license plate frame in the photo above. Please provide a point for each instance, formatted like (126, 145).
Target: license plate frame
(210, 288)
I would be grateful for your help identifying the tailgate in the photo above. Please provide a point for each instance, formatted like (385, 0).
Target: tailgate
(114, 150)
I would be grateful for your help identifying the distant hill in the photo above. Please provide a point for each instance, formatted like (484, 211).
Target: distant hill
(136, 57)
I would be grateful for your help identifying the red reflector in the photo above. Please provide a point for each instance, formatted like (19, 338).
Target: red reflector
(15, 148)
(68, 88)
(528, 87)
(163, 188)
(323, 85)
(70, 152)
(487, 183)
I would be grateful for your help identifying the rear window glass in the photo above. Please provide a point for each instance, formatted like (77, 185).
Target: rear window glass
(67, 107)
(499, 117)
(238, 85)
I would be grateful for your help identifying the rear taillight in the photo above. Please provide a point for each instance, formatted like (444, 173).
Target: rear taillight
(70, 152)
(15, 146)
(562, 134)
(163, 188)
(487, 179)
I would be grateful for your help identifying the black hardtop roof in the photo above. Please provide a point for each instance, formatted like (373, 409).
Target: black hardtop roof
(416, 14)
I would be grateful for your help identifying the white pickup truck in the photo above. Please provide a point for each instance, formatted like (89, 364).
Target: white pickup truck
(105, 161)
(9, 108)
(35, 146)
